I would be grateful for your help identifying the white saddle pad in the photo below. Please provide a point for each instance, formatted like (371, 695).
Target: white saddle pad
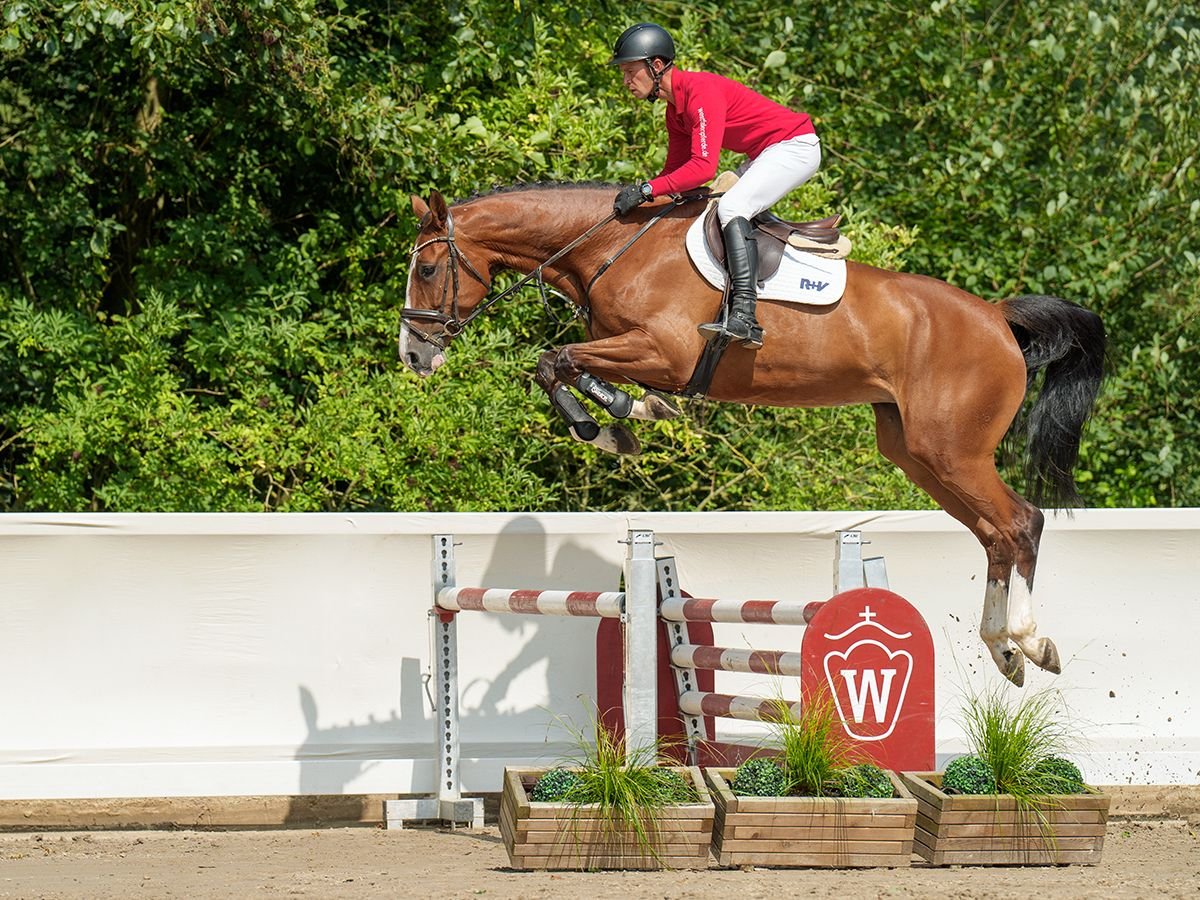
(801, 277)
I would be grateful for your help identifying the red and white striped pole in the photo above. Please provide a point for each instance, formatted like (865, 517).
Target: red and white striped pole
(598, 604)
(733, 706)
(728, 659)
(766, 612)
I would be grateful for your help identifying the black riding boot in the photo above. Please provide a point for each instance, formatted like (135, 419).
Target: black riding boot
(741, 258)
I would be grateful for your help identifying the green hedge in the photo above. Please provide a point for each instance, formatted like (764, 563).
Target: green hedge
(204, 236)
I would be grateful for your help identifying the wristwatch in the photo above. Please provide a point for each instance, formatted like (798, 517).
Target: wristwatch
(647, 191)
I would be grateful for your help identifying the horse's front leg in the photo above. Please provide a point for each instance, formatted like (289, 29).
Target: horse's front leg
(611, 438)
(619, 404)
(631, 357)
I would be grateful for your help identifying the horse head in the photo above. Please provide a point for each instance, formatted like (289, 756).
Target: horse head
(444, 287)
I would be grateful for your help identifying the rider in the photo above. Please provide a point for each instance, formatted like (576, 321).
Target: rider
(705, 114)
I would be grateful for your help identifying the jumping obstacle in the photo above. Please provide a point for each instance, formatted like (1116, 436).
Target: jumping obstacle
(867, 646)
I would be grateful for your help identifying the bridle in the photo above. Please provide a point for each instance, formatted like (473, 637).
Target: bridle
(446, 316)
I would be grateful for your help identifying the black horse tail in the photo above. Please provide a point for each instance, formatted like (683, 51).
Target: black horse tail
(1068, 342)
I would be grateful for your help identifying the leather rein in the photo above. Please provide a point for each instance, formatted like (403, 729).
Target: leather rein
(446, 317)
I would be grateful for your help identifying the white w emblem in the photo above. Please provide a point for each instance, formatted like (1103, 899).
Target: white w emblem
(864, 683)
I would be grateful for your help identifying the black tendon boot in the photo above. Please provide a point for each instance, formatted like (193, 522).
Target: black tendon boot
(741, 258)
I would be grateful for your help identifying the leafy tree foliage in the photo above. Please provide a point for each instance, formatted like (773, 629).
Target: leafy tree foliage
(204, 237)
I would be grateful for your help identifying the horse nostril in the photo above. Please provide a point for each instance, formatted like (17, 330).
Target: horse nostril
(413, 360)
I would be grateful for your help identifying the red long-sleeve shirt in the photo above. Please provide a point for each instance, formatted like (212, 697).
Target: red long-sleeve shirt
(712, 113)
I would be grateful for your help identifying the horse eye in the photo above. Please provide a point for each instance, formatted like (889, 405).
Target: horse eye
(427, 269)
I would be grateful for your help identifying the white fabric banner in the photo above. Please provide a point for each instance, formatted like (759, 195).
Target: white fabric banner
(210, 655)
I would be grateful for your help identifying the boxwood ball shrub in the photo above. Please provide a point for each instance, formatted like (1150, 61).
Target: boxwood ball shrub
(1056, 775)
(968, 775)
(554, 785)
(759, 778)
(863, 780)
(676, 788)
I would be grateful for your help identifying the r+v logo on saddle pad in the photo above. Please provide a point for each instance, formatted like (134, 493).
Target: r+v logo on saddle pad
(807, 285)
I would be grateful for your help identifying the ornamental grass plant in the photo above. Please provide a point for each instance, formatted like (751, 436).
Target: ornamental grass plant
(814, 803)
(1027, 803)
(816, 757)
(628, 786)
(1022, 742)
(814, 747)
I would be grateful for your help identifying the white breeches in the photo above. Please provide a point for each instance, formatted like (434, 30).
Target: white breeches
(770, 176)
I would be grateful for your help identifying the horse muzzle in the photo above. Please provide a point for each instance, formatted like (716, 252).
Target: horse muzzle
(418, 353)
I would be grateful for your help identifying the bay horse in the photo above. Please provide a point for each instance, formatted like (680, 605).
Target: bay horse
(945, 371)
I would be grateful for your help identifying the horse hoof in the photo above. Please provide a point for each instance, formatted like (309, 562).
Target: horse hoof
(653, 408)
(617, 439)
(1047, 657)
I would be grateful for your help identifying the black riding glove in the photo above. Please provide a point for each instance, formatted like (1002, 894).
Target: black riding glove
(631, 197)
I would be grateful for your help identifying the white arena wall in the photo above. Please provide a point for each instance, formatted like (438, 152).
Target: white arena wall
(173, 655)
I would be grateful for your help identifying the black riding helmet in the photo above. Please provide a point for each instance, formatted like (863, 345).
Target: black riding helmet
(645, 41)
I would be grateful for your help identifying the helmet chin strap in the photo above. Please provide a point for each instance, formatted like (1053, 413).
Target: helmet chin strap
(657, 76)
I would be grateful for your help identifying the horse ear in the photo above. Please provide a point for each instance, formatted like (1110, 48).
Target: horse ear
(437, 206)
(419, 206)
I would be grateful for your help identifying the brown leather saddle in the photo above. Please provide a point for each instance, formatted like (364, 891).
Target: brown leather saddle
(773, 235)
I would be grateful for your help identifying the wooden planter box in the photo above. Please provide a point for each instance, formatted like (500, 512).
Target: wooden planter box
(811, 831)
(992, 830)
(565, 836)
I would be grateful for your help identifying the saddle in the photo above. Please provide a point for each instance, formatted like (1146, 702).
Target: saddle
(821, 237)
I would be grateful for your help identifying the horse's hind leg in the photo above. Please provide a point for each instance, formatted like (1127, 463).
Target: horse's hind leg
(612, 438)
(993, 625)
(958, 470)
(1011, 529)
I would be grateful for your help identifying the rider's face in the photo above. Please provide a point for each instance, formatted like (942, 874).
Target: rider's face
(637, 79)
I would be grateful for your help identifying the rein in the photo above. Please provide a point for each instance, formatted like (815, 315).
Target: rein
(675, 201)
(447, 315)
